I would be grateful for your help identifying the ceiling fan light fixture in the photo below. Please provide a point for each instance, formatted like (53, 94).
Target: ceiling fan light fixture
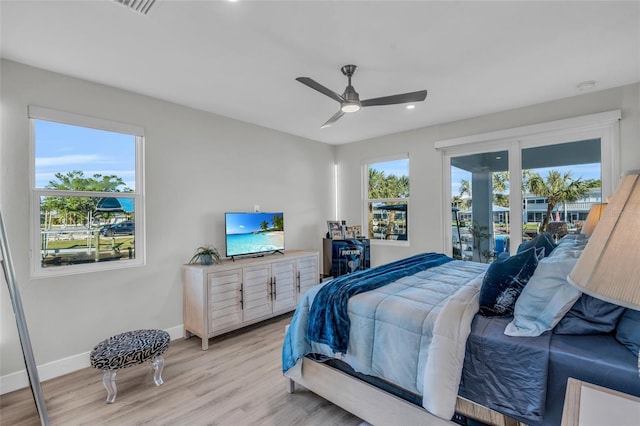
(350, 107)
(350, 99)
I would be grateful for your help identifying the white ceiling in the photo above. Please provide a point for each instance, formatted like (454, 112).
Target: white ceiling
(240, 59)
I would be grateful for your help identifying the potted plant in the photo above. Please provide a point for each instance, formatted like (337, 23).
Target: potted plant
(206, 255)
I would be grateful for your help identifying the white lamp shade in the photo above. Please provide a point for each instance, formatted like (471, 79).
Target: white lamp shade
(595, 213)
(609, 267)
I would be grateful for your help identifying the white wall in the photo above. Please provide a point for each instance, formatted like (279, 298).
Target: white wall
(426, 183)
(198, 165)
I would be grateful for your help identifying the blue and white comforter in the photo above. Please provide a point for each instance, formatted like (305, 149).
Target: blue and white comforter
(411, 332)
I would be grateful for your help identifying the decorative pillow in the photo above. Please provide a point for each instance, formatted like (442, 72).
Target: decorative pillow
(504, 280)
(546, 298)
(590, 316)
(628, 331)
(541, 240)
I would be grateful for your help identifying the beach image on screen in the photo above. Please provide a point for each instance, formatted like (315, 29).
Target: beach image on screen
(248, 233)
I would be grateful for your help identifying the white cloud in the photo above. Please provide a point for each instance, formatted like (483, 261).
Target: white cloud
(67, 160)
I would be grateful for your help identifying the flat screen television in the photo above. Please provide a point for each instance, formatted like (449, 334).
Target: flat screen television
(249, 233)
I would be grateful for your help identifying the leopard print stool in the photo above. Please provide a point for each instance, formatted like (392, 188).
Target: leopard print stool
(126, 349)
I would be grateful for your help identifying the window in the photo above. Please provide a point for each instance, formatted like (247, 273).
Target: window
(86, 203)
(480, 198)
(557, 170)
(569, 175)
(387, 199)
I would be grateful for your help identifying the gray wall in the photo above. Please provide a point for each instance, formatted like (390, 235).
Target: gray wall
(426, 175)
(198, 166)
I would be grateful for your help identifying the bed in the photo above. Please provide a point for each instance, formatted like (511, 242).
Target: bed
(404, 344)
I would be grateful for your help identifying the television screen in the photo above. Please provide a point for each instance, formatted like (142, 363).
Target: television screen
(252, 233)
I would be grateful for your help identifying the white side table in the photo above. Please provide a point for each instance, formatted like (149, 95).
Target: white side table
(590, 405)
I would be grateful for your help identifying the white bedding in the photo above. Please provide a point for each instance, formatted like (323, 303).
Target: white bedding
(411, 332)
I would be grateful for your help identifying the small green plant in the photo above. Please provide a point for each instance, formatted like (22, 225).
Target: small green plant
(206, 255)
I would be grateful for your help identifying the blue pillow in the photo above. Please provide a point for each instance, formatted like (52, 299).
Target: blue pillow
(628, 331)
(546, 298)
(541, 240)
(590, 316)
(504, 280)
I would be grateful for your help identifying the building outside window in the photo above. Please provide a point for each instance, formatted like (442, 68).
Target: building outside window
(86, 204)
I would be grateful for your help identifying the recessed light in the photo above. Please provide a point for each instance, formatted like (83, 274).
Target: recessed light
(586, 85)
(411, 106)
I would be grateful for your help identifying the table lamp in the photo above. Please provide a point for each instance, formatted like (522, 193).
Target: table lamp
(595, 213)
(609, 267)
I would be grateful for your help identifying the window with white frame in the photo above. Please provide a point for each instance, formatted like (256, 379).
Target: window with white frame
(387, 199)
(86, 193)
(559, 169)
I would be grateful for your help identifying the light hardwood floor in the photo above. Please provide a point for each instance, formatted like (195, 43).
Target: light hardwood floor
(238, 381)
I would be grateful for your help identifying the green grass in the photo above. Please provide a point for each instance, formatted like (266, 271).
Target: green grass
(106, 243)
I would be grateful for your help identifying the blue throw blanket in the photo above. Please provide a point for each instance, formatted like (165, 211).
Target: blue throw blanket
(328, 317)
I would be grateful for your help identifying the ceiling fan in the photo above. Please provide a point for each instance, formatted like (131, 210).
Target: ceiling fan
(350, 100)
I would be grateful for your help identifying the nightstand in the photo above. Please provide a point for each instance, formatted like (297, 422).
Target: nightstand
(591, 405)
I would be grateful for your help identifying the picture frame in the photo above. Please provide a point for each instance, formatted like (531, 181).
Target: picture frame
(335, 230)
(354, 231)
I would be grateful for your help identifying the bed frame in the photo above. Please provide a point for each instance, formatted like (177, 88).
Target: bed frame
(376, 406)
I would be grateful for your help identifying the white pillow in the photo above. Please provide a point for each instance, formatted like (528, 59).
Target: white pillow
(547, 297)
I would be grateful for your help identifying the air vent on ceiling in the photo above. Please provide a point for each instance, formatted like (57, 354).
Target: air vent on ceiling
(140, 6)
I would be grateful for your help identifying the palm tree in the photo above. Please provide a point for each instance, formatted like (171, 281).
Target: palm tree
(556, 188)
(465, 189)
(500, 188)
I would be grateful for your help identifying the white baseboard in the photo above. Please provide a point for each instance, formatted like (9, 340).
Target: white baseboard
(53, 369)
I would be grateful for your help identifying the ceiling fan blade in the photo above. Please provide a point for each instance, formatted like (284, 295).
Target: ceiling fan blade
(333, 119)
(396, 99)
(320, 88)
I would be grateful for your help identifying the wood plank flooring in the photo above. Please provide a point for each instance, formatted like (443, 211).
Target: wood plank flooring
(238, 381)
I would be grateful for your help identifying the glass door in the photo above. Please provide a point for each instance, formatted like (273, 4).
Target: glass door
(560, 183)
(480, 205)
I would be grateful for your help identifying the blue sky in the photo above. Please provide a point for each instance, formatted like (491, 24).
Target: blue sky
(579, 171)
(63, 148)
(243, 223)
(397, 167)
